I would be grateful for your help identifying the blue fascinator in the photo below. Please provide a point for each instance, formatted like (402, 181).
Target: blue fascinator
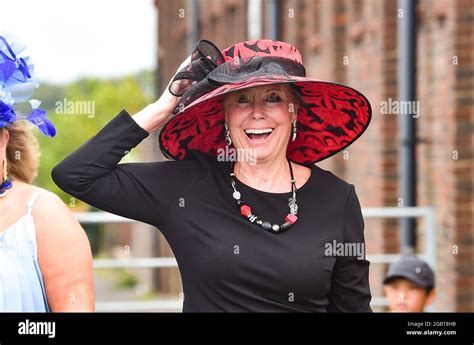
(16, 87)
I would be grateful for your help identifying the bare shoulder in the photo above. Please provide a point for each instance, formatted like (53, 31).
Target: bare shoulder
(50, 212)
(47, 202)
(23, 193)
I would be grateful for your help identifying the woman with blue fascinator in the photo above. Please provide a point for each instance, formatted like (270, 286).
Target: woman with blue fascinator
(45, 257)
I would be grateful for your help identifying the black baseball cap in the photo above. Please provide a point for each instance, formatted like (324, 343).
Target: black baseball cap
(413, 268)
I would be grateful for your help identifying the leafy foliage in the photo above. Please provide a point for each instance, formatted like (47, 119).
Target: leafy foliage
(69, 108)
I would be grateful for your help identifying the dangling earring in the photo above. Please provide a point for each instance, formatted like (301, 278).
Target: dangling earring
(293, 137)
(228, 140)
(6, 183)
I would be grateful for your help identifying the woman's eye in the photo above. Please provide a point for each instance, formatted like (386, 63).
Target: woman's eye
(243, 99)
(273, 98)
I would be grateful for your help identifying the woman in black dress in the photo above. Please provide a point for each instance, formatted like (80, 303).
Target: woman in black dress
(253, 223)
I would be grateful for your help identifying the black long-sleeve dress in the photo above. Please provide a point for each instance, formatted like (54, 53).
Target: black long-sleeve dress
(226, 262)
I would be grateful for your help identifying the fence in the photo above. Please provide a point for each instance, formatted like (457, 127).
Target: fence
(429, 254)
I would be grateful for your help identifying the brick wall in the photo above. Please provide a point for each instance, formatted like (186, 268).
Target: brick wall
(446, 142)
(354, 42)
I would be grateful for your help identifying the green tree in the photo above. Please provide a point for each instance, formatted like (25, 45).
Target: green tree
(105, 97)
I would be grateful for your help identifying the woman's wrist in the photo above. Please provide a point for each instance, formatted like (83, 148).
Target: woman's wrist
(153, 116)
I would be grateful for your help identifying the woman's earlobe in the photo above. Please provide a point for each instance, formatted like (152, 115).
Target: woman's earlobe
(4, 138)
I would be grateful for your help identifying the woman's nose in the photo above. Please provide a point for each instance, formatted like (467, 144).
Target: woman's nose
(257, 111)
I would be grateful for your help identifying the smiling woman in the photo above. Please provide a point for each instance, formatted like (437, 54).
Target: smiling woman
(251, 235)
(45, 257)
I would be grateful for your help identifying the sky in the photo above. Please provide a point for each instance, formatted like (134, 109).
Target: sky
(70, 39)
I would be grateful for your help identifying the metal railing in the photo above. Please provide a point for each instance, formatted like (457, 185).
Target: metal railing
(429, 255)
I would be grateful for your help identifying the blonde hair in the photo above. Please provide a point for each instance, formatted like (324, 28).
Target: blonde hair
(291, 92)
(22, 151)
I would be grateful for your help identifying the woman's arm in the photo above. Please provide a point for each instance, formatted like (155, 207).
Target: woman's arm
(64, 256)
(93, 175)
(350, 290)
(140, 191)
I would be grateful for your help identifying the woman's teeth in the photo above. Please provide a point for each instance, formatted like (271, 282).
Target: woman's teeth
(259, 131)
(261, 134)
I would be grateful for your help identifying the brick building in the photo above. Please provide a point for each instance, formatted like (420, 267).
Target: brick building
(354, 42)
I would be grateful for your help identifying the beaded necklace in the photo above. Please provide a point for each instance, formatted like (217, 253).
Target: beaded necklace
(246, 211)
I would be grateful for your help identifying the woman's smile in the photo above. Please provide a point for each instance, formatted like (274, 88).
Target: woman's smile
(257, 136)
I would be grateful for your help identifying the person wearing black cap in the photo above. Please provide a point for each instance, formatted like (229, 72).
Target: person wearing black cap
(409, 284)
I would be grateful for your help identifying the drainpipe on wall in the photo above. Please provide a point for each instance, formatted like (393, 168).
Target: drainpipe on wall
(406, 31)
(193, 24)
(273, 20)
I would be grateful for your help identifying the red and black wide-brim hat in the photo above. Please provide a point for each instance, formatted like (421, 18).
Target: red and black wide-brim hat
(331, 118)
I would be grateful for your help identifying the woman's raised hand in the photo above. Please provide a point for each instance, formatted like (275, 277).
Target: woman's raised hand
(156, 114)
